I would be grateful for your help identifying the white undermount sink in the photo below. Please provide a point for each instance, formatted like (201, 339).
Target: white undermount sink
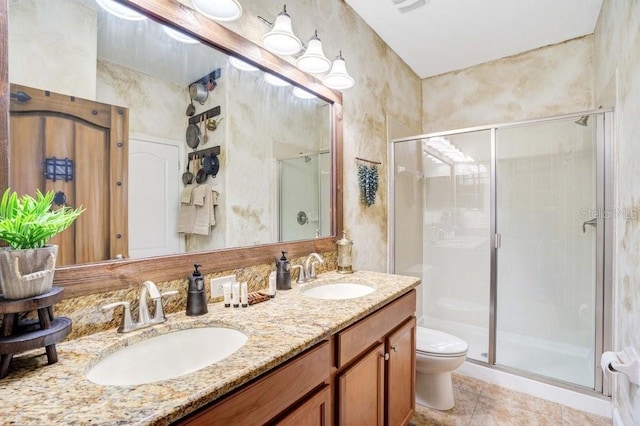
(166, 356)
(338, 291)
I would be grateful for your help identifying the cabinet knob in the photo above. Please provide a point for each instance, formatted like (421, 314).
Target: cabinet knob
(394, 348)
(385, 356)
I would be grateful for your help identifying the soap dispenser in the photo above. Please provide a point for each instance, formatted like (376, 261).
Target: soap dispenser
(196, 296)
(283, 273)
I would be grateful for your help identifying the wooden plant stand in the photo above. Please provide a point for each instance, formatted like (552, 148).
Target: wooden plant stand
(20, 336)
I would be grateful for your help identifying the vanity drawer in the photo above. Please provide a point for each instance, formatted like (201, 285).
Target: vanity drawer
(354, 340)
(264, 399)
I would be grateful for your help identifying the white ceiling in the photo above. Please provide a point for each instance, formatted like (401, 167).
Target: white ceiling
(437, 36)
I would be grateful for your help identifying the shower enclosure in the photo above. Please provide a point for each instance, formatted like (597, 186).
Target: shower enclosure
(303, 196)
(508, 228)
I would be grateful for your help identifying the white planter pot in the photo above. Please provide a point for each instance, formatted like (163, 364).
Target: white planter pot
(27, 273)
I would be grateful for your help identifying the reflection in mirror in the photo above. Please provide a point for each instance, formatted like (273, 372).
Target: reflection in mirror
(137, 108)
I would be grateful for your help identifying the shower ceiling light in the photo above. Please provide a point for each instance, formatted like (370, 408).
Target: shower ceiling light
(241, 65)
(338, 78)
(275, 81)
(120, 10)
(281, 39)
(218, 10)
(179, 36)
(447, 149)
(302, 94)
(313, 60)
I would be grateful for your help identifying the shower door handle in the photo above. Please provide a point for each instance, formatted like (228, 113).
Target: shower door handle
(593, 222)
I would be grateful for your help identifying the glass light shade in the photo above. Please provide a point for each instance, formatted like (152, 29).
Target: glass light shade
(241, 65)
(338, 78)
(218, 10)
(120, 10)
(179, 36)
(303, 94)
(281, 40)
(275, 81)
(313, 61)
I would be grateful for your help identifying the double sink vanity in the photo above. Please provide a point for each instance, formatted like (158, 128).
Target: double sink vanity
(310, 355)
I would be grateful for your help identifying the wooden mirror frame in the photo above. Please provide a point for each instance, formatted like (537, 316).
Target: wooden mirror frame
(112, 275)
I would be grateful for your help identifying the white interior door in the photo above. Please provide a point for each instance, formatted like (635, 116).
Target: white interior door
(154, 191)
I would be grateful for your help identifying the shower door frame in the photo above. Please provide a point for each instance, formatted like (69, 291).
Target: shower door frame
(604, 238)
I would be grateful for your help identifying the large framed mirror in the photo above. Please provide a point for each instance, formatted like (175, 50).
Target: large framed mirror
(123, 100)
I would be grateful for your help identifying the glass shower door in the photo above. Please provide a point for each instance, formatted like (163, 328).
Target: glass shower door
(546, 219)
(442, 217)
(300, 181)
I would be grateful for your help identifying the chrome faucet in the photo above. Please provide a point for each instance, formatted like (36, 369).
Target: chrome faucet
(148, 289)
(308, 270)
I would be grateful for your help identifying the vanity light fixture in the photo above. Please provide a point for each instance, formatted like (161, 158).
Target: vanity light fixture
(218, 10)
(179, 36)
(275, 81)
(338, 78)
(281, 40)
(303, 94)
(120, 10)
(241, 65)
(313, 60)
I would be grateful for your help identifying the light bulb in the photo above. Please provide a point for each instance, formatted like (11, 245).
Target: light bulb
(281, 39)
(338, 78)
(120, 10)
(219, 10)
(302, 94)
(179, 36)
(313, 61)
(275, 81)
(241, 65)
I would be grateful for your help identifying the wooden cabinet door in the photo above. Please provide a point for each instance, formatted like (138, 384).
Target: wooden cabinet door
(313, 412)
(401, 378)
(361, 391)
(94, 137)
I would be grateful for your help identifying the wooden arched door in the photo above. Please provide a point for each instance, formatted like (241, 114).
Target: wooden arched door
(53, 135)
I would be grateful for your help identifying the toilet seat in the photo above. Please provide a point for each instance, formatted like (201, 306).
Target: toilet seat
(439, 344)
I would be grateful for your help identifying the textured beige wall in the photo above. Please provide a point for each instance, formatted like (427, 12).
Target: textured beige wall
(543, 82)
(122, 86)
(617, 83)
(384, 86)
(70, 68)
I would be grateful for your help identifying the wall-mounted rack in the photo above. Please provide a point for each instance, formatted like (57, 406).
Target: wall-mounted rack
(210, 113)
(209, 79)
(201, 153)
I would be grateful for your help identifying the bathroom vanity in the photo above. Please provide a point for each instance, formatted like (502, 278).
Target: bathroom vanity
(306, 360)
(377, 352)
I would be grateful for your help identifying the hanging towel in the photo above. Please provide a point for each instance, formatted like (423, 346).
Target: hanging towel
(198, 215)
(186, 211)
(198, 197)
(204, 211)
(185, 195)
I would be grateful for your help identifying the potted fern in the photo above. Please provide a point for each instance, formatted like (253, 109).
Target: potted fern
(26, 225)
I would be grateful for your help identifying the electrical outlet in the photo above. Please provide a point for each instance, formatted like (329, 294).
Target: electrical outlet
(217, 283)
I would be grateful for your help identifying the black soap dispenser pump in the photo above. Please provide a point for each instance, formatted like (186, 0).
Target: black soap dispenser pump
(196, 296)
(283, 273)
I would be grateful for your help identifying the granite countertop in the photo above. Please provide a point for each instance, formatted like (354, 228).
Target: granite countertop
(277, 330)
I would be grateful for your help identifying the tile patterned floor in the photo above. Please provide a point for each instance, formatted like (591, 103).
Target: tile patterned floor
(483, 404)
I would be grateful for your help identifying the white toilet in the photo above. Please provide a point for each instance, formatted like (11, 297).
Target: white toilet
(437, 355)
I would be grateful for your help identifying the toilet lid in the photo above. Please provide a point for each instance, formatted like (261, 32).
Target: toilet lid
(439, 343)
